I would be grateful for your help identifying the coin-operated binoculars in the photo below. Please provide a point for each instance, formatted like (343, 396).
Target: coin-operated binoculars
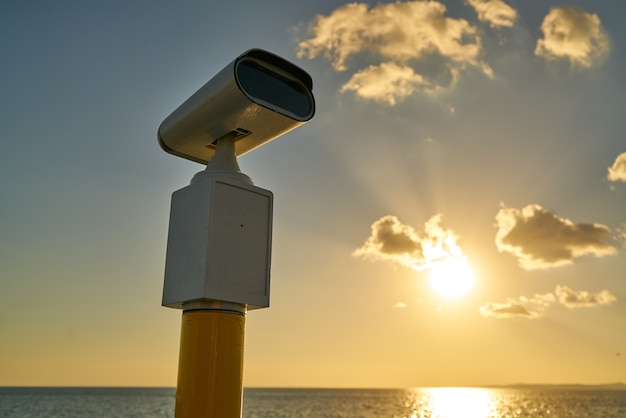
(219, 241)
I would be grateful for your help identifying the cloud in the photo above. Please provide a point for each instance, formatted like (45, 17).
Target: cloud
(621, 234)
(583, 299)
(387, 82)
(571, 33)
(397, 34)
(535, 307)
(399, 305)
(540, 239)
(393, 241)
(495, 12)
(530, 308)
(617, 172)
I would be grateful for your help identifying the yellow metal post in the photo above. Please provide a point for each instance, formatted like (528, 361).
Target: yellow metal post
(210, 368)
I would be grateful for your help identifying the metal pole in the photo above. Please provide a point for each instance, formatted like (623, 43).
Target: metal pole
(210, 368)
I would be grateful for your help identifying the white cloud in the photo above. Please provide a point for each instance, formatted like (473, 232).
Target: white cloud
(583, 299)
(399, 305)
(387, 82)
(571, 33)
(396, 34)
(531, 308)
(495, 12)
(540, 239)
(393, 241)
(617, 172)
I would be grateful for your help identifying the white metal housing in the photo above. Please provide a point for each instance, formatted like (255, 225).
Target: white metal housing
(219, 243)
(256, 98)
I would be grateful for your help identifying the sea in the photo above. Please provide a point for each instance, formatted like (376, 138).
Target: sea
(63, 402)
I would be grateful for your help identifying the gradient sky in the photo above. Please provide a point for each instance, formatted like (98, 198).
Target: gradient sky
(483, 133)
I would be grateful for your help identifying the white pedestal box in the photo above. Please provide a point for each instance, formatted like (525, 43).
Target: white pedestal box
(219, 243)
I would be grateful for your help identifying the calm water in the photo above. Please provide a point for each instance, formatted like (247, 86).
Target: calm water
(335, 403)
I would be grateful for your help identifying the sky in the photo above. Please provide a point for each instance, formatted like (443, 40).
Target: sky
(453, 215)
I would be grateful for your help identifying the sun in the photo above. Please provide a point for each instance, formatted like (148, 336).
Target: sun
(451, 278)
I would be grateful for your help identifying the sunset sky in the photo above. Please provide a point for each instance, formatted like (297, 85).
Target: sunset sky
(453, 215)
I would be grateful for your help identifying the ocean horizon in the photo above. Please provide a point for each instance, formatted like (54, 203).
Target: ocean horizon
(519, 400)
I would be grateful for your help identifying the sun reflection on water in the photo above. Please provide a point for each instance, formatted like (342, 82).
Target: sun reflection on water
(454, 403)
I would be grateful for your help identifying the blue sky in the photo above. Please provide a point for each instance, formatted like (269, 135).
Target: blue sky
(496, 130)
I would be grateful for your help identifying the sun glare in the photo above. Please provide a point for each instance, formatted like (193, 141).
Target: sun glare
(451, 278)
(461, 402)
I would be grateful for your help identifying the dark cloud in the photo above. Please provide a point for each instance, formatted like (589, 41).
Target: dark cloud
(582, 298)
(536, 306)
(390, 237)
(571, 33)
(391, 240)
(530, 308)
(541, 239)
(508, 309)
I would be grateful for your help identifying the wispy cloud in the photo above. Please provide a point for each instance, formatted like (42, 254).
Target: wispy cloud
(582, 298)
(393, 241)
(617, 172)
(397, 34)
(540, 239)
(621, 234)
(536, 306)
(495, 12)
(572, 33)
(530, 308)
